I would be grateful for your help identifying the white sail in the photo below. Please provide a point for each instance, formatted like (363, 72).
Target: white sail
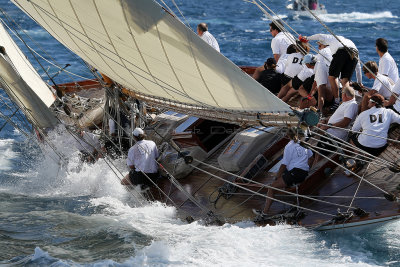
(25, 68)
(145, 49)
(20, 92)
(24, 85)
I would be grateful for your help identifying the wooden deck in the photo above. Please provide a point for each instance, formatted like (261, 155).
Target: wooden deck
(336, 188)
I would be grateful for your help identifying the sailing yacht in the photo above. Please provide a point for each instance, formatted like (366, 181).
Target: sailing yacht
(221, 134)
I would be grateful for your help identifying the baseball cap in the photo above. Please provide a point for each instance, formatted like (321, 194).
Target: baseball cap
(322, 42)
(137, 132)
(270, 61)
(309, 59)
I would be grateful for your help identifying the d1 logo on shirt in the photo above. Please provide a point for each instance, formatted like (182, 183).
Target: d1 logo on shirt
(296, 60)
(373, 118)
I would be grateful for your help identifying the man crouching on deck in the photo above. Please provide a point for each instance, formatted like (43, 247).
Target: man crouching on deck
(141, 161)
(294, 168)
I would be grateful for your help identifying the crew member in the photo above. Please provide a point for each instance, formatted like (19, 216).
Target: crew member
(89, 146)
(281, 40)
(269, 78)
(342, 118)
(387, 65)
(202, 31)
(383, 85)
(375, 122)
(344, 61)
(141, 161)
(294, 168)
(294, 66)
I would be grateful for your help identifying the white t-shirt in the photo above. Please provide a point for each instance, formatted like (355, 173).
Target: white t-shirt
(143, 156)
(280, 43)
(294, 64)
(375, 121)
(296, 156)
(381, 85)
(388, 67)
(348, 109)
(333, 43)
(209, 38)
(396, 90)
(281, 64)
(321, 73)
(305, 73)
(325, 55)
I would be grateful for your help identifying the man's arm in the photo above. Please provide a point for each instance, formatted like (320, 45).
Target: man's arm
(391, 100)
(342, 124)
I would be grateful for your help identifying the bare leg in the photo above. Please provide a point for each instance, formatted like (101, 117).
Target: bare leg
(283, 91)
(279, 183)
(344, 82)
(289, 95)
(323, 94)
(334, 86)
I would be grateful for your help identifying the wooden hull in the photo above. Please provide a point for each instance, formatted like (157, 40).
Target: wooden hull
(201, 194)
(336, 188)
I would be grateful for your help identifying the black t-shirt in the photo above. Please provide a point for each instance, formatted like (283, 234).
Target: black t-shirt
(270, 79)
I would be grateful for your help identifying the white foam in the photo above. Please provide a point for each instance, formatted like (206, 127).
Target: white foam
(174, 241)
(358, 17)
(6, 154)
(243, 244)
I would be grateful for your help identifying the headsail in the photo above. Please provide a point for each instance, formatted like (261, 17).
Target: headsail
(147, 50)
(24, 85)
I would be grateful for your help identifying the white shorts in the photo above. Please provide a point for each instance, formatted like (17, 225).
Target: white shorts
(321, 74)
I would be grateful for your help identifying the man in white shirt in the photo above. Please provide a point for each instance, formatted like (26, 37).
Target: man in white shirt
(375, 122)
(89, 146)
(202, 31)
(387, 65)
(344, 61)
(342, 117)
(294, 168)
(280, 65)
(325, 96)
(141, 161)
(383, 85)
(294, 65)
(281, 40)
(394, 101)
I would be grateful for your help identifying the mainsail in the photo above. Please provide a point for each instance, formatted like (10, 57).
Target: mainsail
(24, 85)
(147, 50)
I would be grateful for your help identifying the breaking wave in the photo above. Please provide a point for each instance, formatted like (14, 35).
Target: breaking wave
(358, 17)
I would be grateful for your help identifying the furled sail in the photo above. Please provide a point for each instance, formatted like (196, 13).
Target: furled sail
(24, 85)
(145, 49)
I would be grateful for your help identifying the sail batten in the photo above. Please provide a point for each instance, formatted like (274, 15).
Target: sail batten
(142, 47)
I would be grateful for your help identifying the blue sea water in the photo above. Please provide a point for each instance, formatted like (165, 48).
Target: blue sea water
(52, 215)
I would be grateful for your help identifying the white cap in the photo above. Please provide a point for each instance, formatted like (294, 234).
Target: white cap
(323, 42)
(137, 132)
(309, 59)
